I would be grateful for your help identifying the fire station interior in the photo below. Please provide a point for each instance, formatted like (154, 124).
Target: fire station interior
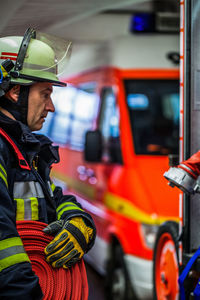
(130, 111)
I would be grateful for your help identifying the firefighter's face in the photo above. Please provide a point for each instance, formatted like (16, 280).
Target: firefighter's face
(39, 104)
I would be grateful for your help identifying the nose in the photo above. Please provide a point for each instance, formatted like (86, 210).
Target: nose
(50, 106)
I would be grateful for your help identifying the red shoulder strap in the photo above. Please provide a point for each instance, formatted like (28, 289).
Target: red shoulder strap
(22, 162)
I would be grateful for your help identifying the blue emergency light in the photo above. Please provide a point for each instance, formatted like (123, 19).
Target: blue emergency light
(142, 22)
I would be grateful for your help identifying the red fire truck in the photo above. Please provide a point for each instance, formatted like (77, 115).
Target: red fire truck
(116, 126)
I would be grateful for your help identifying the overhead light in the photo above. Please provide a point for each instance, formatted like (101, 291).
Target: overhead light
(142, 22)
(165, 22)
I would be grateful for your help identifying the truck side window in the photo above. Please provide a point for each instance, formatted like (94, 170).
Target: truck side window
(57, 125)
(75, 112)
(83, 115)
(154, 115)
(109, 127)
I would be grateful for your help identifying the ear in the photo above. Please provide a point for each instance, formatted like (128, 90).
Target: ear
(13, 94)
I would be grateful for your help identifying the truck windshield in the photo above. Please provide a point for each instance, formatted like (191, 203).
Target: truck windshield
(154, 115)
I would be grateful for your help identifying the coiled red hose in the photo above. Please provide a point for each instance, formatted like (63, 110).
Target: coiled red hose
(56, 284)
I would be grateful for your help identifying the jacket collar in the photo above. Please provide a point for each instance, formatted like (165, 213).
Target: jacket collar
(22, 134)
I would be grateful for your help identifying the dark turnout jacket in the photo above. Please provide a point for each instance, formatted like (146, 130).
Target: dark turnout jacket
(23, 198)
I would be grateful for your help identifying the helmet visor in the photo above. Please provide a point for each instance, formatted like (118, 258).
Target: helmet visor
(42, 57)
(61, 52)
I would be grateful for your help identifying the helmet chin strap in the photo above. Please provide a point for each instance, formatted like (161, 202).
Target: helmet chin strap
(18, 109)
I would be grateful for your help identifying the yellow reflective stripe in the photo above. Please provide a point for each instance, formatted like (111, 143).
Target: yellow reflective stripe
(4, 171)
(3, 174)
(34, 208)
(129, 210)
(12, 260)
(10, 242)
(20, 209)
(53, 187)
(4, 179)
(66, 209)
(64, 204)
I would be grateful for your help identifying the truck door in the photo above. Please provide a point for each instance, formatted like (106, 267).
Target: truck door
(108, 125)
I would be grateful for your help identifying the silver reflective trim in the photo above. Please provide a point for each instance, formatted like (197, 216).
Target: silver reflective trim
(11, 251)
(39, 68)
(28, 189)
(50, 189)
(27, 209)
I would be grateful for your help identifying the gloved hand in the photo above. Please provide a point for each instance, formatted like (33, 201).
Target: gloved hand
(70, 242)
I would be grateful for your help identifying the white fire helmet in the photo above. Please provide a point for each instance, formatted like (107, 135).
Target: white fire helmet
(36, 57)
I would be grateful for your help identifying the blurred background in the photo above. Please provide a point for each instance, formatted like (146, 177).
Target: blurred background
(116, 123)
(90, 25)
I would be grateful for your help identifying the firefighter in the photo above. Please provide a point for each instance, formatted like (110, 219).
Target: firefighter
(30, 66)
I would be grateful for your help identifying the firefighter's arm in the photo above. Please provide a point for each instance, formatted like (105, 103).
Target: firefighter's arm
(185, 175)
(17, 280)
(74, 232)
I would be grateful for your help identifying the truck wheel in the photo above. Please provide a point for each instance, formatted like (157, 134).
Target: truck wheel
(117, 283)
(165, 263)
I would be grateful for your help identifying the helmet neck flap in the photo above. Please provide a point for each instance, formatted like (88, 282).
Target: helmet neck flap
(18, 109)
